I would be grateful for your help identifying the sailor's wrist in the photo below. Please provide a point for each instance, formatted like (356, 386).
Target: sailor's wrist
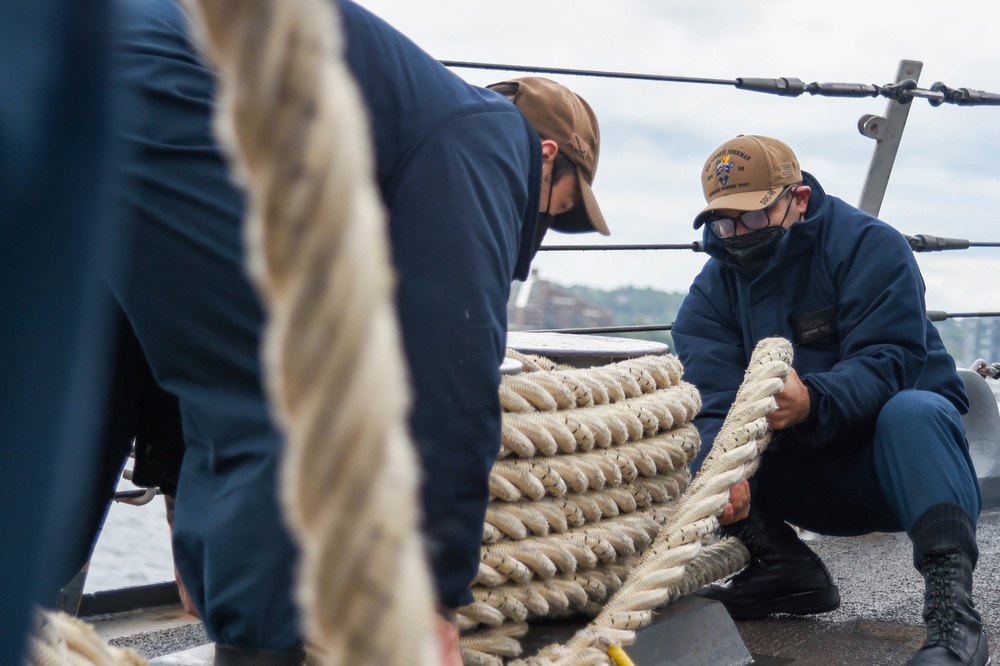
(447, 613)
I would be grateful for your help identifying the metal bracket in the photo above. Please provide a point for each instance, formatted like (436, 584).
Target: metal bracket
(886, 131)
(137, 497)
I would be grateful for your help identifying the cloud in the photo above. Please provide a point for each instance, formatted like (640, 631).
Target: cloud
(656, 135)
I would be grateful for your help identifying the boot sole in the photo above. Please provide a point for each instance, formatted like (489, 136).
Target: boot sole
(805, 603)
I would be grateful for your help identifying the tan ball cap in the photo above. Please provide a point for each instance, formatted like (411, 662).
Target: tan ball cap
(747, 173)
(559, 114)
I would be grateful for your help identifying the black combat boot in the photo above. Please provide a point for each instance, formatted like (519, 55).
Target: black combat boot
(945, 553)
(228, 655)
(783, 575)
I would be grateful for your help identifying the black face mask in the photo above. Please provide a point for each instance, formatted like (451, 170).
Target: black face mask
(544, 222)
(751, 252)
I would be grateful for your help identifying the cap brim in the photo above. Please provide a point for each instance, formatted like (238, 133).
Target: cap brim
(585, 218)
(742, 201)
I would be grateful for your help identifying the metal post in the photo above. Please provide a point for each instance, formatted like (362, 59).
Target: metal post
(887, 132)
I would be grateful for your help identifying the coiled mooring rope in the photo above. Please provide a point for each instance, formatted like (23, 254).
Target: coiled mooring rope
(563, 538)
(652, 582)
(292, 116)
(591, 460)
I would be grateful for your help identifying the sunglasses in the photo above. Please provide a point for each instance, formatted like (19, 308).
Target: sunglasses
(724, 226)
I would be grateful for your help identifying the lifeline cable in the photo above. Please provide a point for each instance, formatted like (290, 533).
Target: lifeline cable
(902, 92)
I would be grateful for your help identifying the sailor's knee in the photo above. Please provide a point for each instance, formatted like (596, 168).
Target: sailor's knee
(915, 422)
(913, 408)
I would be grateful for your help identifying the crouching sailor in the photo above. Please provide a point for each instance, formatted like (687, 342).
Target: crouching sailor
(868, 434)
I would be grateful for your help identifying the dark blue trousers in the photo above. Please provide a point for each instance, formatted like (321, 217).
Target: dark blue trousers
(918, 457)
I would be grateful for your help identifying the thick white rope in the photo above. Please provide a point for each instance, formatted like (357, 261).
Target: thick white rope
(660, 573)
(59, 639)
(589, 437)
(536, 391)
(563, 598)
(569, 430)
(292, 116)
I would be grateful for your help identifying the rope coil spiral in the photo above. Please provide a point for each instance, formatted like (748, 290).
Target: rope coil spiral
(580, 488)
(593, 509)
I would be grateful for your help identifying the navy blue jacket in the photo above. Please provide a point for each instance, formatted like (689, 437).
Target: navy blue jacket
(415, 102)
(460, 172)
(845, 288)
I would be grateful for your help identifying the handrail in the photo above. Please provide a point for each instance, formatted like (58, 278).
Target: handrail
(639, 328)
(933, 315)
(695, 246)
(939, 315)
(918, 243)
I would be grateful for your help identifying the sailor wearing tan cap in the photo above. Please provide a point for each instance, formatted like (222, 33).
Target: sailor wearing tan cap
(868, 434)
(470, 181)
(571, 144)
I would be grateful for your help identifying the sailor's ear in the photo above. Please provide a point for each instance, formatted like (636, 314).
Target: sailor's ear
(549, 149)
(800, 198)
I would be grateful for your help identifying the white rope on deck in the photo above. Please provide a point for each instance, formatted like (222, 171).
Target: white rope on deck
(595, 516)
(659, 576)
(292, 116)
(59, 639)
(591, 461)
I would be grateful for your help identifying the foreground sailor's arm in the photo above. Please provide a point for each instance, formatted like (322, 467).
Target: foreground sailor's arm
(456, 214)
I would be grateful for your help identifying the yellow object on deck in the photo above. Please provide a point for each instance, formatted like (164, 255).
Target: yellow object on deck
(618, 656)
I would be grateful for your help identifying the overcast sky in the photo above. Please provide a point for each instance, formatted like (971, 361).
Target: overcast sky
(656, 136)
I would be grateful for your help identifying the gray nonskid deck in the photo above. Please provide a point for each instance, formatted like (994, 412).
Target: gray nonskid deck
(878, 622)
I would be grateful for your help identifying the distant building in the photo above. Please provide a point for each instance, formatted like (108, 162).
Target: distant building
(982, 339)
(537, 304)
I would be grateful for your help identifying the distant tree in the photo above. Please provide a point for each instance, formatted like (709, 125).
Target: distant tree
(633, 306)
